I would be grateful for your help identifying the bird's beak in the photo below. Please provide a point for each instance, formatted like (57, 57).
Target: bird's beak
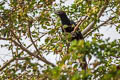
(56, 12)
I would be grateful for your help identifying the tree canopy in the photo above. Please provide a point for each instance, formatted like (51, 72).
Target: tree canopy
(31, 33)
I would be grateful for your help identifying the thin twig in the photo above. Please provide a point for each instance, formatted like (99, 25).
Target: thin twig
(35, 45)
(15, 36)
(33, 42)
(6, 64)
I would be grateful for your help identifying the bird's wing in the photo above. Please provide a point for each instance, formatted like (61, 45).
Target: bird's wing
(72, 22)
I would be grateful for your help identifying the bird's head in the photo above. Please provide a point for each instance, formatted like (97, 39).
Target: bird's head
(60, 13)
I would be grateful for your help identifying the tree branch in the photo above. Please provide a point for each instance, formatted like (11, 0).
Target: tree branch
(98, 26)
(32, 54)
(29, 52)
(43, 59)
(33, 42)
(91, 25)
(6, 64)
(15, 36)
(11, 60)
(79, 23)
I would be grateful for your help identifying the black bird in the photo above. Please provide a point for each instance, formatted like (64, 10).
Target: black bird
(66, 21)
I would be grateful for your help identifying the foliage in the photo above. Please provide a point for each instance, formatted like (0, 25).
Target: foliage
(31, 32)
